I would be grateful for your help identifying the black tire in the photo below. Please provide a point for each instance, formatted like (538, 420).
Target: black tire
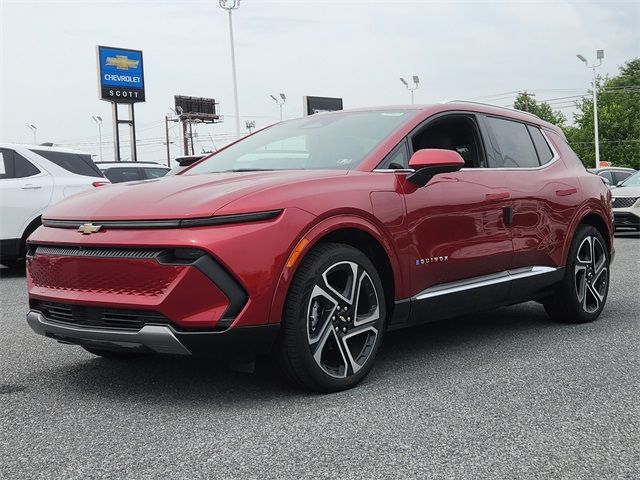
(582, 294)
(322, 347)
(113, 354)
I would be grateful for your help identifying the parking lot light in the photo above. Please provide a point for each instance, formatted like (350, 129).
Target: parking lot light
(600, 58)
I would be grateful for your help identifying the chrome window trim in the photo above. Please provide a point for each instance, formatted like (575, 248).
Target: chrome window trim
(483, 281)
(554, 159)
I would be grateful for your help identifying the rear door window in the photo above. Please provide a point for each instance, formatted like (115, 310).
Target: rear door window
(126, 174)
(153, 172)
(72, 162)
(14, 165)
(514, 142)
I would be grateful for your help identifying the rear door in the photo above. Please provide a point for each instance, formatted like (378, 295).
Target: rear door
(544, 197)
(25, 191)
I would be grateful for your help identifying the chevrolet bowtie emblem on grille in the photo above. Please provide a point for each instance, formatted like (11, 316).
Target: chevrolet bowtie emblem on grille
(89, 228)
(122, 62)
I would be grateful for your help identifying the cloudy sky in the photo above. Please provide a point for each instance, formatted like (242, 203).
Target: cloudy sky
(352, 49)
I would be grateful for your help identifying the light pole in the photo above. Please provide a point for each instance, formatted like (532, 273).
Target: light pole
(229, 6)
(34, 129)
(98, 120)
(416, 82)
(599, 57)
(280, 102)
(250, 125)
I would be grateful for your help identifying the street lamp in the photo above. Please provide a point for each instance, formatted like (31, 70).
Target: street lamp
(599, 58)
(280, 102)
(98, 120)
(34, 129)
(229, 6)
(416, 82)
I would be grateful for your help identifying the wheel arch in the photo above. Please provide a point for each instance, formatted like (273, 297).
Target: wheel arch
(351, 230)
(596, 220)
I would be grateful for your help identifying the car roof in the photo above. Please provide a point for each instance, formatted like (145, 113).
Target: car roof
(426, 110)
(27, 146)
(130, 164)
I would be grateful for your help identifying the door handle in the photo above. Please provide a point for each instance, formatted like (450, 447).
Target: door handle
(31, 186)
(566, 192)
(493, 197)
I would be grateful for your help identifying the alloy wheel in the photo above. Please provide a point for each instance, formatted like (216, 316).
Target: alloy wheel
(343, 319)
(591, 274)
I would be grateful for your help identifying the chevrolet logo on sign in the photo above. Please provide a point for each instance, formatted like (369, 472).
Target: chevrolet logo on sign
(89, 228)
(121, 62)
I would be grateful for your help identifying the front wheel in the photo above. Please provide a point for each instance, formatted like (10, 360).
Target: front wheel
(334, 319)
(582, 294)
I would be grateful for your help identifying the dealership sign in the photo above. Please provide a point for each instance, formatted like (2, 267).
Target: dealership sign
(121, 76)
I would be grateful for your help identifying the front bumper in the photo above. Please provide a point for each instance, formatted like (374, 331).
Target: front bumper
(242, 342)
(626, 218)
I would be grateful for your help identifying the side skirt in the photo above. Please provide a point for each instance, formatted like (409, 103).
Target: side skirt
(477, 294)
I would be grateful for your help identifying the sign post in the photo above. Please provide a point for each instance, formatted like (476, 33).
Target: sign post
(121, 80)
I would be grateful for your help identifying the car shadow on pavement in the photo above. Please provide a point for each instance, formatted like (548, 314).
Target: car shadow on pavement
(16, 272)
(201, 383)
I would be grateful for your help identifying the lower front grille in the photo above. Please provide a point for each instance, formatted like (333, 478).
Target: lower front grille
(623, 202)
(117, 319)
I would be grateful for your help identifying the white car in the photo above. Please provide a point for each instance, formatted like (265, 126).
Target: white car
(33, 177)
(118, 172)
(626, 203)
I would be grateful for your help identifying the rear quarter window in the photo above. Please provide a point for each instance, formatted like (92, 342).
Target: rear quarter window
(72, 162)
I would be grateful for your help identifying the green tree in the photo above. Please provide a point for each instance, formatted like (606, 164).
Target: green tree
(525, 101)
(618, 120)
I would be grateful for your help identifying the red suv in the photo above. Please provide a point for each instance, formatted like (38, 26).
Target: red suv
(311, 238)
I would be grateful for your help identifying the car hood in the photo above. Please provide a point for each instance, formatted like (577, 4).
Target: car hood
(625, 192)
(175, 197)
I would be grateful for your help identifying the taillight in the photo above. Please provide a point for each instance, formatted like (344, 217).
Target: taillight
(100, 184)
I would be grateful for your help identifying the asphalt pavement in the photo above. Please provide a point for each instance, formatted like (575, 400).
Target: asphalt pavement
(507, 394)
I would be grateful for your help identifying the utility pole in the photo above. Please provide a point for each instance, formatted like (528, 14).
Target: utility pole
(98, 120)
(166, 134)
(600, 58)
(527, 99)
(250, 125)
(229, 6)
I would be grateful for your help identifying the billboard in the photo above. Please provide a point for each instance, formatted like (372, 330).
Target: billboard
(121, 75)
(321, 104)
(195, 106)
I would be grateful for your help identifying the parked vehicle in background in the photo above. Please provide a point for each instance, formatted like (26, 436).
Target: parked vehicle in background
(626, 204)
(310, 238)
(33, 177)
(613, 175)
(184, 162)
(118, 172)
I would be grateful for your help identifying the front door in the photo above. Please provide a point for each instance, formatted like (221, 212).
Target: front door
(458, 225)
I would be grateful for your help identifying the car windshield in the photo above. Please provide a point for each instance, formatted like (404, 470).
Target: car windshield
(332, 141)
(632, 181)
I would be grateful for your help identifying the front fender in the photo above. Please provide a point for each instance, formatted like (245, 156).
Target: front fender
(315, 234)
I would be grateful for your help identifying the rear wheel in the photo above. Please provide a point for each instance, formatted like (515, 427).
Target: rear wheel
(582, 294)
(334, 319)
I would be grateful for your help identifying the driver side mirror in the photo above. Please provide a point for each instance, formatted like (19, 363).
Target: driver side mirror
(429, 162)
